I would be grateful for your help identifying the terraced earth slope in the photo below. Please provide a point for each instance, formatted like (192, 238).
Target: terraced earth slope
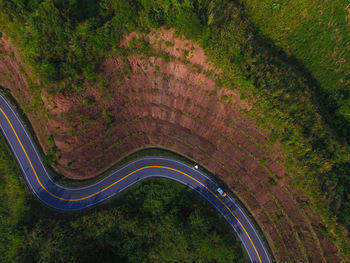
(161, 92)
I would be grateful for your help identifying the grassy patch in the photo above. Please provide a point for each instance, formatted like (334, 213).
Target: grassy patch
(316, 33)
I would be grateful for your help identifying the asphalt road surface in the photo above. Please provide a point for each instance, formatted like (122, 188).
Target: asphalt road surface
(58, 197)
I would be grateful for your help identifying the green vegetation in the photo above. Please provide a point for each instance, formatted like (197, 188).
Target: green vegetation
(52, 156)
(316, 33)
(155, 221)
(88, 101)
(292, 56)
(108, 117)
(64, 39)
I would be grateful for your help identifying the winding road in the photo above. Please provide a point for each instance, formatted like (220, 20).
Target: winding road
(67, 199)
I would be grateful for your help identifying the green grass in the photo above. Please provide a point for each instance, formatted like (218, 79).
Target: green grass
(317, 34)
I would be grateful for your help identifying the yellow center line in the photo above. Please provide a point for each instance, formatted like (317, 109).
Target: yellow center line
(142, 168)
(222, 203)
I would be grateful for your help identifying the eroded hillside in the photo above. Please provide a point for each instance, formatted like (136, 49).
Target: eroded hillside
(169, 98)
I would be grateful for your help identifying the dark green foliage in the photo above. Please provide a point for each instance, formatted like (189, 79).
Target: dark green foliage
(14, 209)
(52, 155)
(317, 33)
(64, 39)
(155, 221)
(106, 114)
(88, 101)
(337, 185)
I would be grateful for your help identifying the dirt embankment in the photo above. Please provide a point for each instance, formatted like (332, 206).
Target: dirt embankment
(15, 76)
(174, 104)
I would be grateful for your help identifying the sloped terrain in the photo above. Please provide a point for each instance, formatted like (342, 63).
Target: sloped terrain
(169, 99)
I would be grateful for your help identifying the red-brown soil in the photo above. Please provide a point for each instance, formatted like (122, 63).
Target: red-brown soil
(14, 75)
(171, 105)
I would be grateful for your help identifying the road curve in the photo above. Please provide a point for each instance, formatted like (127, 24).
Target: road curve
(67, 199)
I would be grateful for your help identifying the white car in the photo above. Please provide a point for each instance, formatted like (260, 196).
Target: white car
(221, 192)
(196, 166)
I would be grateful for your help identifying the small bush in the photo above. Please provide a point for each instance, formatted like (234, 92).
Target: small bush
(89, 101)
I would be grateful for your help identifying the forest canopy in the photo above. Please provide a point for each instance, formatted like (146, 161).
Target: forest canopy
(66, 40)
(156, 221)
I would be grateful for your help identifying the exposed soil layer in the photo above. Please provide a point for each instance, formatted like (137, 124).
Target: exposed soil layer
(175, 105)
(15, 76)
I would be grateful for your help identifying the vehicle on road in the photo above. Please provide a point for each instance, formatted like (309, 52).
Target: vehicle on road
(78, 199)
(221, 192)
